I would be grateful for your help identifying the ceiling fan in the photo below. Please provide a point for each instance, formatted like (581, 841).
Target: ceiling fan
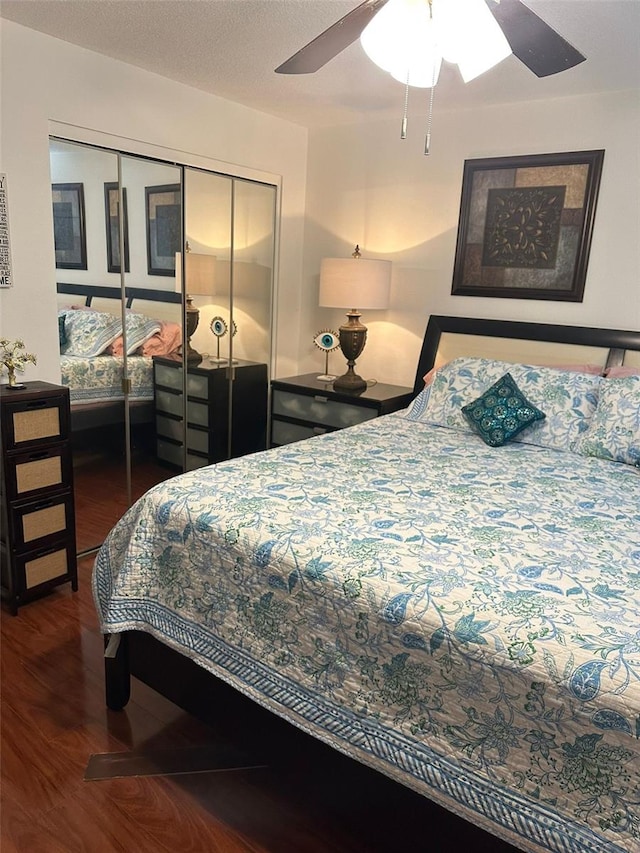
(532, 41)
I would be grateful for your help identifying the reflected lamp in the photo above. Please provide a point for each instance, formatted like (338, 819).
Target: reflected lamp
(200, 280)
(353, 283)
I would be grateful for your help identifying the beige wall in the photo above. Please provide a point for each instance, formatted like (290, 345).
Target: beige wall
(367, 186)
(363, 184)
(49, 86)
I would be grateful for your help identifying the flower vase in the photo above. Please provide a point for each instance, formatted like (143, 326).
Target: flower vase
(13, 382)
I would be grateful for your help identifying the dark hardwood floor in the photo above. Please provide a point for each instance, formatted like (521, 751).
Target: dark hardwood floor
(308, 799)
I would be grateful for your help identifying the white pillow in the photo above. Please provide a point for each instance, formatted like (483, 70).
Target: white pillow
(568, 399)
(614, 432)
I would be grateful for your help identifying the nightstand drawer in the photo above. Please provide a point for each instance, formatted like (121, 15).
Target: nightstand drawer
(197, 413)
(171, 377)
(283, 432)
(319, 409)
(197, 439)
(172, 453)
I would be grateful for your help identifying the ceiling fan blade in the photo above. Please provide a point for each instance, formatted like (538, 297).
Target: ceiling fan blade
(533, 41)
(333, 41)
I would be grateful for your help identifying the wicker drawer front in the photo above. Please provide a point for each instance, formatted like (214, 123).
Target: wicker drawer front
(319, 409)
(38, 472)
(36, 521)
(41, 568)
(36, 421)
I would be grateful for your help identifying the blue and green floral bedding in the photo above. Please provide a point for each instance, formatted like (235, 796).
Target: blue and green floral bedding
(466, 619)
(98, 379)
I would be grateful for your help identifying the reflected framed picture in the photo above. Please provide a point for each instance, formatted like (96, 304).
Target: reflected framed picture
(164, 227)
(526, 224)
(69, 226)
(112, 221)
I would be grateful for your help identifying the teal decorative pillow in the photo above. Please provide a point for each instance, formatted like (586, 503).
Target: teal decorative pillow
(501, 412)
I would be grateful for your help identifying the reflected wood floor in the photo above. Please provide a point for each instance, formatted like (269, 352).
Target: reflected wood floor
(309, 799)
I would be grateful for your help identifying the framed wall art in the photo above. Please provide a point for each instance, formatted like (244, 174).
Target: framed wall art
(69, 226)
(112, 221)
(525, 225)
(164, 228)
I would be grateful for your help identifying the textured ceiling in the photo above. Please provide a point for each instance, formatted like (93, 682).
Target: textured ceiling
(231, 47)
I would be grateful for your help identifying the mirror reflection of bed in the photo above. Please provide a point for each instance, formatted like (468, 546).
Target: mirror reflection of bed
(116, 438)
(93, 350)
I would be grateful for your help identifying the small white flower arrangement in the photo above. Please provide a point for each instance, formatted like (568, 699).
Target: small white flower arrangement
(13, 357)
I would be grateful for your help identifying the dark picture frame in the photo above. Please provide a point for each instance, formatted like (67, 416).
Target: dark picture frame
(69, 231)
(164, 228)
(112, 221)
(526, 225)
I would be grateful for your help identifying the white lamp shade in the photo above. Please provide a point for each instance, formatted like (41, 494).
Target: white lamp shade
(354, 283)
(200, 273)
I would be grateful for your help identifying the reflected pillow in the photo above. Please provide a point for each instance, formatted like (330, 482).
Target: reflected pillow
(89, 333)
(501, 412)
(138, 330)
(614, 432)
(164, 342)
(62, 335)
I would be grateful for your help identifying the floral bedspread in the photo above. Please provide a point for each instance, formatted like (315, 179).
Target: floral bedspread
(462, 618)
(97, 379)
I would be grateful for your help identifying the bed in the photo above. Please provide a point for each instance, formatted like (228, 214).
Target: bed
(92, 360)
(460, 616)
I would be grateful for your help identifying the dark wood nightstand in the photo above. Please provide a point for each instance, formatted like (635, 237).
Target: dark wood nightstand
(208, 417)
(38, 534)
(303, 406)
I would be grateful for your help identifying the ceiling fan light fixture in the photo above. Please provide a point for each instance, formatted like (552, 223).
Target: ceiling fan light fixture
(410, 38)
(469, 36)
(401, 39)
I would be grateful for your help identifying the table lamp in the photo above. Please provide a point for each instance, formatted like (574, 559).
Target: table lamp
(347, 282)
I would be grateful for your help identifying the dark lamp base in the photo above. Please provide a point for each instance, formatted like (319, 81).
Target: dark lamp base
(350, 382)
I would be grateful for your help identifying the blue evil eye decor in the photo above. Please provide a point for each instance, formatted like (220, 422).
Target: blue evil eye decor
(326, 340)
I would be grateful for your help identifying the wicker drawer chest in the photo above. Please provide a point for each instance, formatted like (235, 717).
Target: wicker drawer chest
(37, 536)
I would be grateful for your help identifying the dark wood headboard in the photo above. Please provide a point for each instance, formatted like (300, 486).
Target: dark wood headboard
(614, 342)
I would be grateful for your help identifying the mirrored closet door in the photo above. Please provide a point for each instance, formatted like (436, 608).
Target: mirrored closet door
(165, 280)
(112, 318)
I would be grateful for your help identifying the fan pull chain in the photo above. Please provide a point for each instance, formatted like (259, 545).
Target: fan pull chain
(427, 141)
(403, 131)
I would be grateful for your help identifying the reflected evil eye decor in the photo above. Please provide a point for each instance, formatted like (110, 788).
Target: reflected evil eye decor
(219, 327)
(326, 340)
